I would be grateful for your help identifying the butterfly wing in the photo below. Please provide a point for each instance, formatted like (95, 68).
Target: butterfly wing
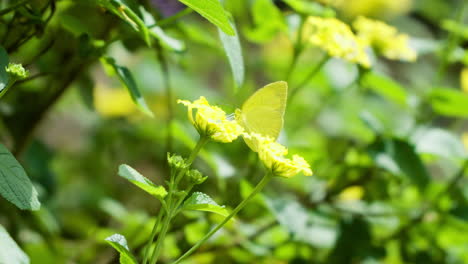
(263, 112)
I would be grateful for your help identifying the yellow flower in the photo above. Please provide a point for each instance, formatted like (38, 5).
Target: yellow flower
(465, 140)
(212, 121)
(385, 39)
(464, 79)
(272, 154)
(337, 39)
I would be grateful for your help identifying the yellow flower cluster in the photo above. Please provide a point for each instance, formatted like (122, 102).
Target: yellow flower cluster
(272, 154)
(385, 39)
(212, 121)
(337, 39)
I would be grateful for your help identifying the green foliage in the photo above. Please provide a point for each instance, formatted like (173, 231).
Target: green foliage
(10, 252)
(213, 11)
(202, 202)
(15, 185)
(388, 144)
(119, 242)
(126, 77)
(141, 181)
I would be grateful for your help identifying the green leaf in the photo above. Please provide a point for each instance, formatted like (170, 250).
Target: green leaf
(449, 102)
(399, 157)
(233, 51)
(3, 65)
(15, 185)
(438, 142)
(119, 242)
(126, 78)
(202, 202)
(10, 252)
(141, 181)
(386, 87)
(213, 11)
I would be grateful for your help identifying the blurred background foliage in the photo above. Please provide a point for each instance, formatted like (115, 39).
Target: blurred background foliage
(389, 155)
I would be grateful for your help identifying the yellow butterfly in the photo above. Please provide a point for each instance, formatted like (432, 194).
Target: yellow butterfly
(263, 112)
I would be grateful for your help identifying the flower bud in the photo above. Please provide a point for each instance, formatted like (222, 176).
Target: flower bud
(176, 161)
(196, 177)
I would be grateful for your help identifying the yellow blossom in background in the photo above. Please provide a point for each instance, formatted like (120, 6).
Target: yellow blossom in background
(372, 8)
(272, 154)
(385, 39)
(464, 79)
(112, 102)
(212, 121)
(352, 193)
(337, 39)
(465, 140)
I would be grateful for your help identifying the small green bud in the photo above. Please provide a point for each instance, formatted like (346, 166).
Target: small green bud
(16, 71)
(196, 177)
(176, 161)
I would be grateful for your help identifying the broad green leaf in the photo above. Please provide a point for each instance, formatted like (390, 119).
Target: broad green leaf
(3, 64)
(122, 8)
(126, 77)
(119, 242)
(15, 185)
(304, 226)
(399, 157)
(233, 51)
(9, 250)
(213, 11)
(438, 142)
(141, 181)
(202, 202)
(449, 102)
(386, 87)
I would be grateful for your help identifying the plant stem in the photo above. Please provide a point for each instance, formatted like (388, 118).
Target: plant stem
(256, 190)
(297, 50)
(168, 89)
(314, 71)
(153, 234)
(171, 208)
(173, 18)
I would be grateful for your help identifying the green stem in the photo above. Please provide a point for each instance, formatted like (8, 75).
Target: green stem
(173, 18)
(256, 190)
(297, 50)
(153, 234)
(314, 71)
(170, 203)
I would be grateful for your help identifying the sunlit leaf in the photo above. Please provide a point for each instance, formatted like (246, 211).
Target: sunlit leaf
(400, 158)
(233, 51)
(386, 87)
(202, 202)
(141, 181)
(10, 252)
(126, 77)
(15, 185)
(449, 102)
(119, 242)
(438, 142)
(213, 11)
